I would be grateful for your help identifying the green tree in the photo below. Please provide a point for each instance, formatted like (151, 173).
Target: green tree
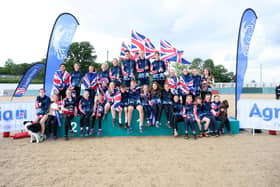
(178, 67)
(221, 74)
(209, 64)
(197, 63)
(82, 53)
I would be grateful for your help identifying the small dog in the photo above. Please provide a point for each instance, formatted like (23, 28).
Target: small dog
(33, 130)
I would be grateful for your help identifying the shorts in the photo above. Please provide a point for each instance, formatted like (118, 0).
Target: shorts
(134, 103)
(123, 105)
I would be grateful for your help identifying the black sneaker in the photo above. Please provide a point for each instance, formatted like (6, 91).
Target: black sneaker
(194, 137)
(66, 138)
(120, 125)
(186, 136)
(126, 125)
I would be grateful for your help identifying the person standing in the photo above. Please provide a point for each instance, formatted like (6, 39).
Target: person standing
(143, 68)
(76, 77)
(186, 85)
(61, 80)
(207, 83)
(103, 75)
(90, 82)
(172, 81)
(128, 69)
(196, 82)
(115, 73)
(158, 68)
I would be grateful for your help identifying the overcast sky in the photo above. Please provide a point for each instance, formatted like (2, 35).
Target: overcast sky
(205, 29)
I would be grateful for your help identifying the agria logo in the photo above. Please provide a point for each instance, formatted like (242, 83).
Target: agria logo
(267, 114)
(7, 115)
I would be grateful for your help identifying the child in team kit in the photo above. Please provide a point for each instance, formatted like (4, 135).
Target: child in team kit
(85, 107)
(177, 111)
(98, 112)
(207, 110)
(113, 100)
(52, 122)
(156, 102)
(166, 97)
(124, 103)
(200, 117)
(134, 102)
(70, 111)
(146, 103)
(188, 111)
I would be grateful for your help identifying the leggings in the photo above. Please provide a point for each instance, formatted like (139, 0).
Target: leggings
(52, 124)
(168, 112)
(213, 123)
(189, 123)
(67, 124)
(84, 120)
(157, 110)
(99, 118)
(224, 122)
(176, 119)
(147, 111)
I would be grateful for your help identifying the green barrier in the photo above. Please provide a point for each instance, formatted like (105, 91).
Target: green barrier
(163, 130)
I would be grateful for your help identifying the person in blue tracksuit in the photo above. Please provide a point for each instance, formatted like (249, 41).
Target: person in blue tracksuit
(98, 112)
(156, 102)
(76, 77)
(128, 69)
(188, 115)
(166, 98)
(115, 73)
(146, 103)
(86, 109)
(200, 117)
(196, 82)
(158, 68)
(103, 75)
(124, 104)
(177, 111)
(207, 110)
(90, 82)
(134, 102)
(42, 105)
(143, 69)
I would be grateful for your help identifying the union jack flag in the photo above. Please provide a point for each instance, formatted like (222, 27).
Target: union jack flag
(125, 47)
(137, 42)
(150, 49)
(116, 98)
(170, 53)
(20, 92)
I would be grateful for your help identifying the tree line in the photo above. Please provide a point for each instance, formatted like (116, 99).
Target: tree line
(84, 53)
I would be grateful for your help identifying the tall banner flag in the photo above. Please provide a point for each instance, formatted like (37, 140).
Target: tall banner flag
(27, 78)
(246, 30)
(61, 38)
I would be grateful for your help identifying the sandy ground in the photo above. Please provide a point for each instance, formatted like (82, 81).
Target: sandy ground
(240, 160)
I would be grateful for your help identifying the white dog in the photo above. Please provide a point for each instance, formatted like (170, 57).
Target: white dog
(33, 130)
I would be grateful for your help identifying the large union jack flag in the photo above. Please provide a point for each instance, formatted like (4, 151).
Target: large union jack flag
(125, 47)
(170, 53)
(150, 49)
(137, 42)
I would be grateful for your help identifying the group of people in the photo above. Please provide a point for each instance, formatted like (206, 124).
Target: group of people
(123, 88)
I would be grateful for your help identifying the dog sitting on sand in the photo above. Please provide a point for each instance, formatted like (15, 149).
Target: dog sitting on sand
(33, 130)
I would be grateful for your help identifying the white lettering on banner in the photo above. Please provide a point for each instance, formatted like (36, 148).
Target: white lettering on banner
(259, 114)
(12, 115)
